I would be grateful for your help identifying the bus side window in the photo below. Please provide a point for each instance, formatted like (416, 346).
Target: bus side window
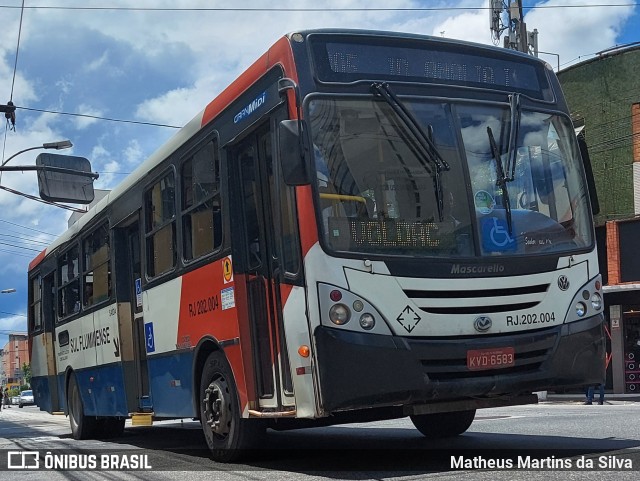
(200, 205)
(35, 304)
(160, 226)
(68, 283)
(49, 300)
(96, 268)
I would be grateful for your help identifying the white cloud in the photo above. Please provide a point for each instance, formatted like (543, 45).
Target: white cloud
(576, 33)
(84, 122)
(133, 154)
(185, 104)
(471, 26)
(98, 63)
(13, 324)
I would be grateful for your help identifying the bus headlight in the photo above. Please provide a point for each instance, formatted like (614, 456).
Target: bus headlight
(339, 314)
(367, 321)
(596, 301)
(581, 309)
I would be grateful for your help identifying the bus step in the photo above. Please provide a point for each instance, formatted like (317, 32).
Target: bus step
(142, 419)
(272, 414)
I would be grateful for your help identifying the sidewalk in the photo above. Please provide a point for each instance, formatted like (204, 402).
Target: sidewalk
(609, 398)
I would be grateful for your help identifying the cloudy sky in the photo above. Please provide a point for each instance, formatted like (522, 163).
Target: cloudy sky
(132, 61)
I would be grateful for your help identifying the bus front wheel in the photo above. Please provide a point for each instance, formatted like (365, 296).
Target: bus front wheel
(443, 425)
(82, 427)
(226, 432)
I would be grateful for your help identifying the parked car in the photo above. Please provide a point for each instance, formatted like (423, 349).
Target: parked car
(15, 400)
(26, 399)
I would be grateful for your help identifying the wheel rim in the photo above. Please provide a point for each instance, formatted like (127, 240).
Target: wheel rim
(217, 407)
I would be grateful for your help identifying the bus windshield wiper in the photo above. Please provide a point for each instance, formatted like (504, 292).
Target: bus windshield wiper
(428, 149)
(502, 179)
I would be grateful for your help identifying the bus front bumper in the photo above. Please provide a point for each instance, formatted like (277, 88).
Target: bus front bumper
(360, 370)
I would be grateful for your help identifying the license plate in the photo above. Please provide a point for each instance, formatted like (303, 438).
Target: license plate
(495, 358)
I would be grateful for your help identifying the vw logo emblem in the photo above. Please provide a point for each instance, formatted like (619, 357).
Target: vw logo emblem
(482, 323)
(563, 282)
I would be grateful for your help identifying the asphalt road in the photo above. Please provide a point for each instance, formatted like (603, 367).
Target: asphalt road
(550, 440)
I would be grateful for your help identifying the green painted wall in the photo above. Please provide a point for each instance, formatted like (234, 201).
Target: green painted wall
(600, 92)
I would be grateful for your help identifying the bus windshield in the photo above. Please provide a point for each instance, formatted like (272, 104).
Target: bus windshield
(378, 193)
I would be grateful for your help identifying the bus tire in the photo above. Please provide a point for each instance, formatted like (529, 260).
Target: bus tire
(82, 427)
(443, 425)
(228, 435)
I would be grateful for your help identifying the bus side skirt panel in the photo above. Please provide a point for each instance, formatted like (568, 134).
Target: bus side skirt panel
(171, 378)
(102, 390)
(45, 393)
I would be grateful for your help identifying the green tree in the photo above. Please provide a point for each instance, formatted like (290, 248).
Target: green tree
(26, 373)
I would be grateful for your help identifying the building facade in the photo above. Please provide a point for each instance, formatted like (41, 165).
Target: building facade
(604, 98)
(14, 354)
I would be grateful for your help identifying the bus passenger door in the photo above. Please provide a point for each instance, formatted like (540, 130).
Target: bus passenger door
(49, 316)
(131, 322)
(257, 266)
(43, 362)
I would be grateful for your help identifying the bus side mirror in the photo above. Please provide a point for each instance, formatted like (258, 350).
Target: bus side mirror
(591, 182)
(292, 161)
(65, 178)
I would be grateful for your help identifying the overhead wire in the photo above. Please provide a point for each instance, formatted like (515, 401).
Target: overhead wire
(11, 119)
(26, 240)
(28, 228)
(310, 9)
(19, 247)
(15, 65)
(21, 254)
(100, 118)
(42, 201)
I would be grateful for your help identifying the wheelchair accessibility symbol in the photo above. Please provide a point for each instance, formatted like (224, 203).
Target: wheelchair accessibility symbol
(148, 335)
(496, 237)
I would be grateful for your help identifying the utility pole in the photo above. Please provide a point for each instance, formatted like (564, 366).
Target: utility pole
(521, 28)
(517, 37)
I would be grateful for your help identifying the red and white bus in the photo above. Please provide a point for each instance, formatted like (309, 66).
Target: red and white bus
(363, 225)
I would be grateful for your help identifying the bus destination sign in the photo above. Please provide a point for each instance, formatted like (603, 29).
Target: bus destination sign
(351, 61)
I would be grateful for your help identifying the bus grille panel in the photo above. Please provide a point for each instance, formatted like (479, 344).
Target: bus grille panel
(478, 301)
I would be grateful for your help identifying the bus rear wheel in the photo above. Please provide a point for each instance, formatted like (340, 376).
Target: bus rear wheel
(226, 432)
(443, 425)
(82, 427)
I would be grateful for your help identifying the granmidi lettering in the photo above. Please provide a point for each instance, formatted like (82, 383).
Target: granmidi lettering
(252, 107)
